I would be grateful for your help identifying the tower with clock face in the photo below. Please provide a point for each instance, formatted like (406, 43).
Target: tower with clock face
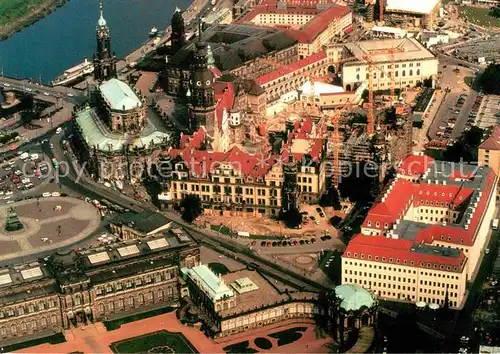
(201, 91)
(104, 59)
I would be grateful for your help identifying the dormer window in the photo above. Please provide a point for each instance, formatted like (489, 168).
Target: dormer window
(369, 223)
(348, 254)
(355, 255)
(390, 260)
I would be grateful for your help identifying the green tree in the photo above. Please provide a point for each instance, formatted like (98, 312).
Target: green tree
(291, 218)
(330, 198)
(191, 207)
(490, 78)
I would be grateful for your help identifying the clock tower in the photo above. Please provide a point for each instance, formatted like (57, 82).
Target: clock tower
(201, 91)
(104, 60)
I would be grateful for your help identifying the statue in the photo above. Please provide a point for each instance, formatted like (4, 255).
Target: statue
(13, 223)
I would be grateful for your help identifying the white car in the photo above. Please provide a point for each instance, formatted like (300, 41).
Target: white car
(29, 90)
(9, 193)
(47, 194)
(56, 194)
(6, 84)
(6, 197)
(10, 201)
(46, 94)
(69, 94)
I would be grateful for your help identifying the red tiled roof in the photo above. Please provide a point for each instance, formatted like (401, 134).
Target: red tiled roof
(193, 141)
(318, 24)
(287, 69)
(311, 29)
(217, 73)
(203, 162)
(415, 165)
(224, 95)
(399, 251)
(438, 193)
(493, 142)
(393, 207)
(268, 7)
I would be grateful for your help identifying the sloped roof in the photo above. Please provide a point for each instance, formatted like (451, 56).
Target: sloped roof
(119, 95)
(493, 142)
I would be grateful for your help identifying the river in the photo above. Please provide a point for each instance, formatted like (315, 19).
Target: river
(65, 37)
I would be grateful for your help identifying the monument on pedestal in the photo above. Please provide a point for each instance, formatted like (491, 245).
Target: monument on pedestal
(13, 223)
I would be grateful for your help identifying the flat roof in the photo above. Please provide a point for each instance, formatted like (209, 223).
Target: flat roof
(214, 286)
(416, 7)
(264, 295)
(405, 49)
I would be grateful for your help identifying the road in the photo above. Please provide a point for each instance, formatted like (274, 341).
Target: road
(40, 90)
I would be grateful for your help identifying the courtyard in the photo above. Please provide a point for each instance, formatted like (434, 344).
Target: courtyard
(48, 224)
(165, 334)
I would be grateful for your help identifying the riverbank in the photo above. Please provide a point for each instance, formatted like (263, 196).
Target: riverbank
(15, 15)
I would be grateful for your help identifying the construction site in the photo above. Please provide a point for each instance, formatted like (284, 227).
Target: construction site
(363, 126)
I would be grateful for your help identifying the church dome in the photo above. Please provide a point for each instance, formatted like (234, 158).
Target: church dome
(353, 297)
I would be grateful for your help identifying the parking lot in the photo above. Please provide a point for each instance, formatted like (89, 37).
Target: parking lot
(22, 174)
(451, 119)
(489, 112)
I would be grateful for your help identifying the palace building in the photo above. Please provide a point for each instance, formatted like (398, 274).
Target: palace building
(73, 288)
(244, 300)
(413, 63)
(312, 24)
(426, 236)
(237, 182)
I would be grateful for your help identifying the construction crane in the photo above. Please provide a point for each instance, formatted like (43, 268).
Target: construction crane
(370, 114)
(337, 115)
(381, 10)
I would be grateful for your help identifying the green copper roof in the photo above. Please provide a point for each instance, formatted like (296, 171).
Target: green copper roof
(353, 297)
(213, 285)
(119, 95)
(96, 134)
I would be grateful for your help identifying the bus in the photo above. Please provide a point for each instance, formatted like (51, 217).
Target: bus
(494, 225)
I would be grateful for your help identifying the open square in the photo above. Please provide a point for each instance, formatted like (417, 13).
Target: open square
(157, 342)
(48, 223)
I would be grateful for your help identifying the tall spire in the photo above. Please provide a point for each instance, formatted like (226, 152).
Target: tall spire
(101, 22)
(200, 28)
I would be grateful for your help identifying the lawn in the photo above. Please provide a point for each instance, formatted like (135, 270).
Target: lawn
(157, 342)
(479, 16)
(288, 336)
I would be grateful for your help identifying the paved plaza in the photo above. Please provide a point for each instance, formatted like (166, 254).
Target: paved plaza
(96, 339)
(49, 223)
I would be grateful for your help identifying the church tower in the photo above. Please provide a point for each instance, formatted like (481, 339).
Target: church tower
(104, 60)
(178, 37)
(201, 91)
